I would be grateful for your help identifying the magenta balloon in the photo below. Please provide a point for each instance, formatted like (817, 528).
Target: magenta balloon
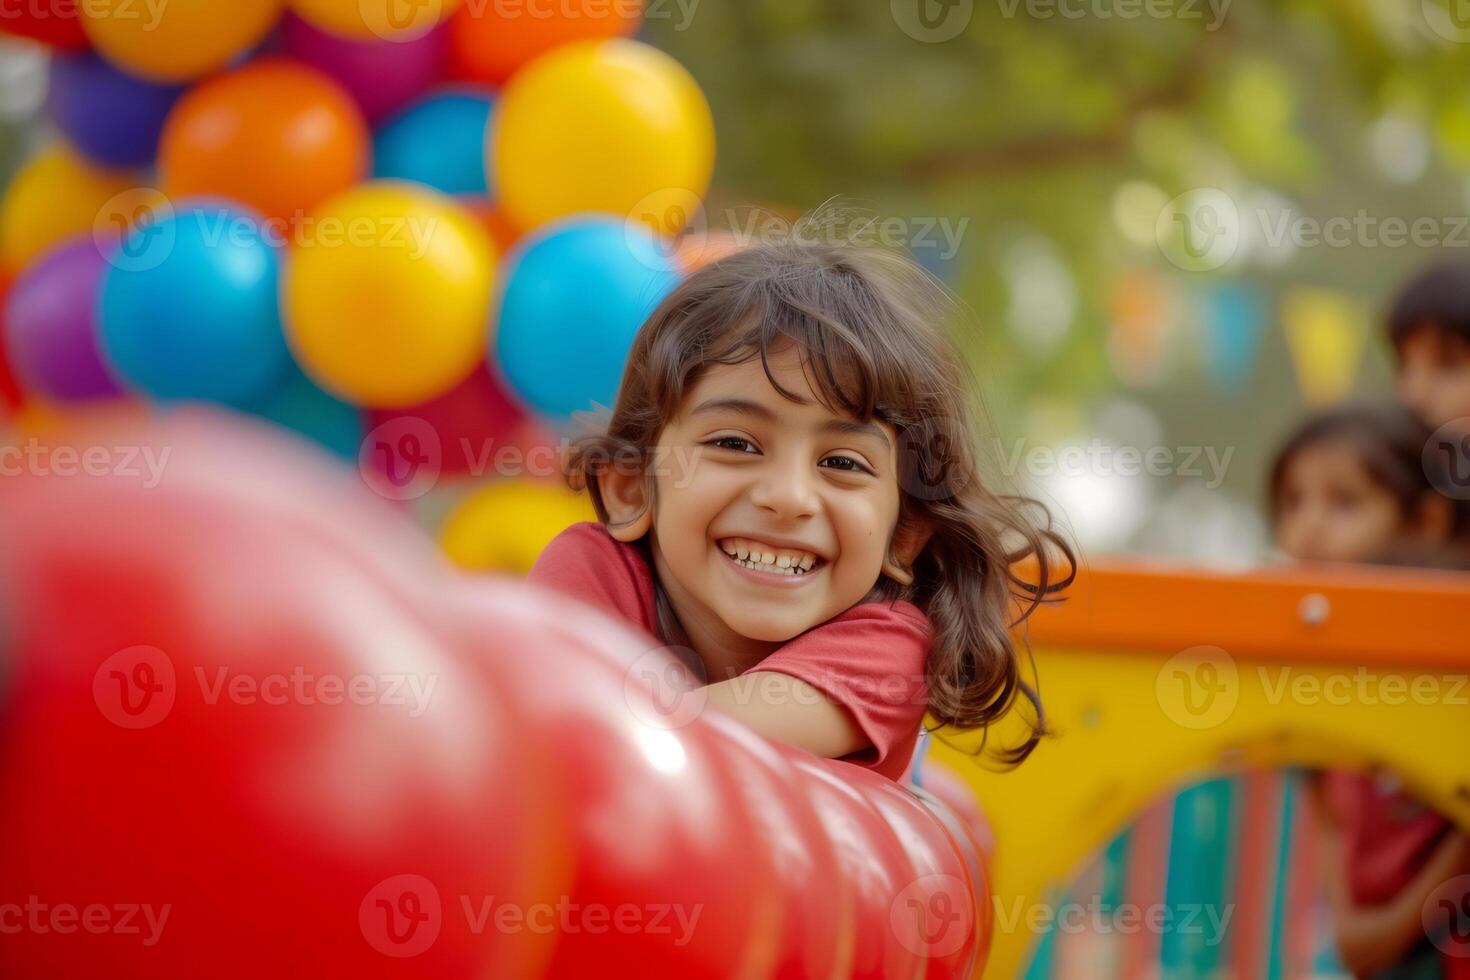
(50, 324)
(383, 76)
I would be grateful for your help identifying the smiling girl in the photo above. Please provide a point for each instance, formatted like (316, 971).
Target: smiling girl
(788, 488)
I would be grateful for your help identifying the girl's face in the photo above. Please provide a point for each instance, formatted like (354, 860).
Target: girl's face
(1330, 509)
(784, 518)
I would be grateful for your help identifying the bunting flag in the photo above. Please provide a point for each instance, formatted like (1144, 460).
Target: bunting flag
(1138, 314)
(1234, 318)
(1325, 335)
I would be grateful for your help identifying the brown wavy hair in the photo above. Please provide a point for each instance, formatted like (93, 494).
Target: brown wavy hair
(867, 323)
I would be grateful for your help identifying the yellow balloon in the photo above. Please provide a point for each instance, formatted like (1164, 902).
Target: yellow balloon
(386, 294)
(176, 40)
(613, 126)
(505, 526)
(55, 196)
(388, 20)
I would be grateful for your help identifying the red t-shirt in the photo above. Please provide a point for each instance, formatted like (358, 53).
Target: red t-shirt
(869, 659)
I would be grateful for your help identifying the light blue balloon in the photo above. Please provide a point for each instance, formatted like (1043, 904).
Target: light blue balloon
(188, 306)
(575, 295)
(301, 406)
(438, 141)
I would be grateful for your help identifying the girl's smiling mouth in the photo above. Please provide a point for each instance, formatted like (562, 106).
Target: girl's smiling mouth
(769, 563)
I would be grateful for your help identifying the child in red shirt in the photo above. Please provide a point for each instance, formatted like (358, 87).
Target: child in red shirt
(788, 488)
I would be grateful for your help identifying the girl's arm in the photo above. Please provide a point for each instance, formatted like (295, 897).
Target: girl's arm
(787, 709)
(1371, 938)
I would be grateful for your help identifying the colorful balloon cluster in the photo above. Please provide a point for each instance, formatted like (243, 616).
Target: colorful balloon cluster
(334, 757)
(315, 209)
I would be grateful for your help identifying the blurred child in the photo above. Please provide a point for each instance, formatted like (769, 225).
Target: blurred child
(1350, 485)
(1352, 482)
(788, 487)
(1429, 326)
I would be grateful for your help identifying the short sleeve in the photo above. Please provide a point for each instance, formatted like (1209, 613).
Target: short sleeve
(588, 564)
(871, 660)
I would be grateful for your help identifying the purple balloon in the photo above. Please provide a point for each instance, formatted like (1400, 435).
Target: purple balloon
(107, 114)
(383, 76)
(50, 319)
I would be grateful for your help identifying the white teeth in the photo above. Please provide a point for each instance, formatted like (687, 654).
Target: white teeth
(743, 551)
(784, 561)
(767, 561)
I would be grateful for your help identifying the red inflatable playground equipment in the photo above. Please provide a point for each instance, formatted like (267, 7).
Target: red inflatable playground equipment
(253, 725)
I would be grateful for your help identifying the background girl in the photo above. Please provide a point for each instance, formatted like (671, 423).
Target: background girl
(1351, 485)
(788, 487)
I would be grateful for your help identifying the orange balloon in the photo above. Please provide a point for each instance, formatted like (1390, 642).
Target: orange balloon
(502, 231)
(487, 43)
(276, 135)
(699, 249)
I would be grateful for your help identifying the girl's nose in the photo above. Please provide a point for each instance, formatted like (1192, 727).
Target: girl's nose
(786, 491)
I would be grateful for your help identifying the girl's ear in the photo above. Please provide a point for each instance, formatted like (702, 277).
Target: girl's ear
(625, 495)
(909, 539)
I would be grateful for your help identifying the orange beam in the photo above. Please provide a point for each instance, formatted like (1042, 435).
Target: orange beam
(1354, 613)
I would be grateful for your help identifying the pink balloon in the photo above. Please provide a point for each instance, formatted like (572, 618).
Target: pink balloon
(383, 76)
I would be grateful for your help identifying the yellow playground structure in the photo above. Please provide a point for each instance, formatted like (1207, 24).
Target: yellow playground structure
(1156, 678)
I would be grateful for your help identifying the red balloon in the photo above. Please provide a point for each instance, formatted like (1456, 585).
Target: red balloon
(10, 393)
(473, 420)
(221, 747)
(817, 909)
(664, 881)
(935, 915)
(872, 860)
(54, 22)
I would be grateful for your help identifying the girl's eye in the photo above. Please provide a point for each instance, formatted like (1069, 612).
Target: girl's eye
(731, 442)
(846, 464)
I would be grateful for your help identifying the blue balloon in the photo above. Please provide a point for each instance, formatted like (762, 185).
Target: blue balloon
(188, 306)
(438, 141)
(111, 117)
(575, 295)
(301, 406)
